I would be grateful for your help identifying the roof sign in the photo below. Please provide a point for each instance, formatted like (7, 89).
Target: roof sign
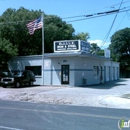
(71, 46)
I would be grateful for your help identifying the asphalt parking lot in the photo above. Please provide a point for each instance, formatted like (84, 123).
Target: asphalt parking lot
(113, 94)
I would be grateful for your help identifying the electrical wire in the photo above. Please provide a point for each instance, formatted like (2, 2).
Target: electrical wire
(96, 16)
(107, 35)
(122, 3)
(128, 15)
(110, 6)
(121, 21)
(88, 17)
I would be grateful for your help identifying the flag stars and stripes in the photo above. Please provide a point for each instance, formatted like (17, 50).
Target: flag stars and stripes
(34, 25)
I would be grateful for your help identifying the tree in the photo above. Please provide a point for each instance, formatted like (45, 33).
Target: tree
(13, 30)
(17, 33)
(120, 44)
(120, 49)
(55, 30)
(7, 51)
(95, 49)
(82, 36)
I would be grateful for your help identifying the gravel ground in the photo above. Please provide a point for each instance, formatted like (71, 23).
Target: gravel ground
(109, 95)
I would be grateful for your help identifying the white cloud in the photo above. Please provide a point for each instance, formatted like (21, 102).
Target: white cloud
(100, 43)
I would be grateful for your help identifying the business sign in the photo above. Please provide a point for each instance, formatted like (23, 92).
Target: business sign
(64, 46)
(72, 45)
(85, 47)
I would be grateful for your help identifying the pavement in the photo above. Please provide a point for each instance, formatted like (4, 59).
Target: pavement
(114, 94)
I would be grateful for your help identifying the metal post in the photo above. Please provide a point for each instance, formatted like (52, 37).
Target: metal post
(43, 48)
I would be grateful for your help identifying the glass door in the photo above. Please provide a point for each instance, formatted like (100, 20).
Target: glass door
(65, 74)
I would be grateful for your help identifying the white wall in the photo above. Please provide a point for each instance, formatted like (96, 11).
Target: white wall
(56, 67)
(112, 70)
(84, 68)
(80, 67)
(19, 63)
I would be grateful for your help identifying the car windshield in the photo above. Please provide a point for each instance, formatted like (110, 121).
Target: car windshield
(15, 73)
(3, 74)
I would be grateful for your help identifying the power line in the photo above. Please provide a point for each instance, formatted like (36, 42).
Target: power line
(95, 16)
(110, 6)
(100, 13)
(122, 3)
(16, 22)
(20, 22)
(128, 15)
(111, 26)
(90, 15)
(121, 21)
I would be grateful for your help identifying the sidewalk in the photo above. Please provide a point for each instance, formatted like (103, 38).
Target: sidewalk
(110, 95)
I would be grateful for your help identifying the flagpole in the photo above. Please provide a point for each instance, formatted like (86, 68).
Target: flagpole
(43, 48)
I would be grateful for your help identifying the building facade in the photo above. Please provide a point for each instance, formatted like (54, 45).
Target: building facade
(74, 68)
(70, 69)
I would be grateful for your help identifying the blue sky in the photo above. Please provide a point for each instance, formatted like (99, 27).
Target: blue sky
(96, 27)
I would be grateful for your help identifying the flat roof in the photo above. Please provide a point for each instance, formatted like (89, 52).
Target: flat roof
(55, 55)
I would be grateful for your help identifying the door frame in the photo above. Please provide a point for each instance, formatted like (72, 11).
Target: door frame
(68, 72)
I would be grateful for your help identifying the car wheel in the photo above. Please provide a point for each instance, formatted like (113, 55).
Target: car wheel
(31, 83)
(4, 86)
(17, 84)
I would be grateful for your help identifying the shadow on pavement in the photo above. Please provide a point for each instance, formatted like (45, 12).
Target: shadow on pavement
(107, 85)
(23, 86)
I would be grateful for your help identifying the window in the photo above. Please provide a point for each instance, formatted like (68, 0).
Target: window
(36, 69)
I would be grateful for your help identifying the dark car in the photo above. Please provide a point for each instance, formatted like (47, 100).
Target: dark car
(3, 74)
(18, 79)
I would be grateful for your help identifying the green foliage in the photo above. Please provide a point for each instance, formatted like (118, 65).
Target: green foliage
(13, 31)
(100, 52)
(56, 29)
(95, 49)
(7, 51)
(120, 44)
(17, 33)
(82, 36)
(120, 48)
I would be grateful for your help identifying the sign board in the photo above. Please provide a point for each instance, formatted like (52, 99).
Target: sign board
(85, 47)
(47, 64)
(71, 46)
(107, 53)
(63, 46)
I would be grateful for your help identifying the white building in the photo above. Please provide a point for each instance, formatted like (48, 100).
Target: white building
(70, 67)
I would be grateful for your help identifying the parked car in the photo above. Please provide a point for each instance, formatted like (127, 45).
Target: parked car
(18, 79)
(3, 74)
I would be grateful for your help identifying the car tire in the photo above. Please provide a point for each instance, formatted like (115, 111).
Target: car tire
(17, 84)
(4, 86)
(31, 83)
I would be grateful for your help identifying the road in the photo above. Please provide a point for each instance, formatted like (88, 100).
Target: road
(40, 116)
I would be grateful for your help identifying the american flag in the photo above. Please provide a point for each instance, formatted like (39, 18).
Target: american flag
(34, 25)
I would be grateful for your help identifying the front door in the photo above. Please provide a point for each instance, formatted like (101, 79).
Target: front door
(65, 74)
